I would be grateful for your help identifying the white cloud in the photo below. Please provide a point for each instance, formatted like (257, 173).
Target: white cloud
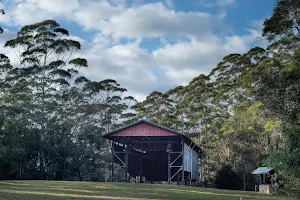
(30, 11)
(131, 65)
(93, 13)
(225, 2)
(213, 3)
(128, 63)
(142, 22)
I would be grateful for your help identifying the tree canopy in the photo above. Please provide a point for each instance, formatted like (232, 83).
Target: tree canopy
(52, 118)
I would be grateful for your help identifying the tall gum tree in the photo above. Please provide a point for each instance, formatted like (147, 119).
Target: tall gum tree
(46, 67)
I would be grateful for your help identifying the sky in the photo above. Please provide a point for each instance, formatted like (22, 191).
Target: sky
(147, 45)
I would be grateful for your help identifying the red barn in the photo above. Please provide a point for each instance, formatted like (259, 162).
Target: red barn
(155, 152)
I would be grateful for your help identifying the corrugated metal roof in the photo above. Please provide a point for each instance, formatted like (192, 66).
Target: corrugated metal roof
(262, 170)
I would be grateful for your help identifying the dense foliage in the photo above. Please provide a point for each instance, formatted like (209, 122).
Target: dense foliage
(226, 178)
(52, 119)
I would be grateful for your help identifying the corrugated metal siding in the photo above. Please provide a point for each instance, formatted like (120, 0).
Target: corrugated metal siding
(195, 165)
(191, 161)
(143, 129)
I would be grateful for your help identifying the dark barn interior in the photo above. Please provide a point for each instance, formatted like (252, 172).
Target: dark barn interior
(149, 150)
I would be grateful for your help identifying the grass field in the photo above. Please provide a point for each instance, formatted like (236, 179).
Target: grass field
(56, 190)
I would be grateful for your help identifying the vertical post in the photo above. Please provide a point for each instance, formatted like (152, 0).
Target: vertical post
(152, 171)
(244, 180)
(112, 161)
(208, 173)
(141, 169)
(191, 175)
(260, 180)
(244, 177)
(169, 166)
(200, 170)
(182, 166)
(126, 167)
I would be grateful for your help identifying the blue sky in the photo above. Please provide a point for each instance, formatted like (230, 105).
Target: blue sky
(147, 45)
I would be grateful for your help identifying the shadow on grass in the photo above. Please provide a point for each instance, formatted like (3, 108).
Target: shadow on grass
(68, 195)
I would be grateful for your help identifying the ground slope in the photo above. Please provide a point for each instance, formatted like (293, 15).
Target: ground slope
(57, 190)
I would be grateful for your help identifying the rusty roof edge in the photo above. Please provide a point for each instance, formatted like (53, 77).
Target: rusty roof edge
(154, 124)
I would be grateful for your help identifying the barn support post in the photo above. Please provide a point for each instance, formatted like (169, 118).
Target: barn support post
(152, 171)
(182, 166)
(169, 166)
(141, 169)
(200, 170)
(112, 161)
(126, 165)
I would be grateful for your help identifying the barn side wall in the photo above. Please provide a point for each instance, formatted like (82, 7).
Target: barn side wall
(191, 161)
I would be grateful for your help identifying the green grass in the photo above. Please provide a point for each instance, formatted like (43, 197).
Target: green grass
(56, 190)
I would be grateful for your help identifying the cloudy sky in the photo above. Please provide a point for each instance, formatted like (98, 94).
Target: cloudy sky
(147, 45)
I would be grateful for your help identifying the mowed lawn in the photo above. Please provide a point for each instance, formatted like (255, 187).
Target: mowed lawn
(55, 190)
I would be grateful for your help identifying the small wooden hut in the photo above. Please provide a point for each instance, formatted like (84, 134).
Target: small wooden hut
(263, 173)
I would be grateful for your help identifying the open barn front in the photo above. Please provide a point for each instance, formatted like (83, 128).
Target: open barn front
(147, 156)
(154, 153)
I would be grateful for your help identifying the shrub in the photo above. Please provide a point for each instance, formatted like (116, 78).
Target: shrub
(226, 178)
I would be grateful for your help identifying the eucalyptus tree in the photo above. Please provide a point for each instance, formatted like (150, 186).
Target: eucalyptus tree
(56, 116)
(5, 67)
(198, 109)
(209, 102)
(196, 102)
(276, 85)
(157, 107)
(277, 77)
(283, 29)
(178, 118)
(253, 135)
(129, 114)
(93, 108)
(102, 102)
(284, 21)
(46, 58)
(17, 137)
(274, 82)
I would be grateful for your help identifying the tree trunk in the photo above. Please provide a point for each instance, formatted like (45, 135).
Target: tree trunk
(20, 169)
(41, 163)
(79, 174)
(244, 177)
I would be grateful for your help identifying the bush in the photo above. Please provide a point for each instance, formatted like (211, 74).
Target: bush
(226, 178)
(287, 163)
